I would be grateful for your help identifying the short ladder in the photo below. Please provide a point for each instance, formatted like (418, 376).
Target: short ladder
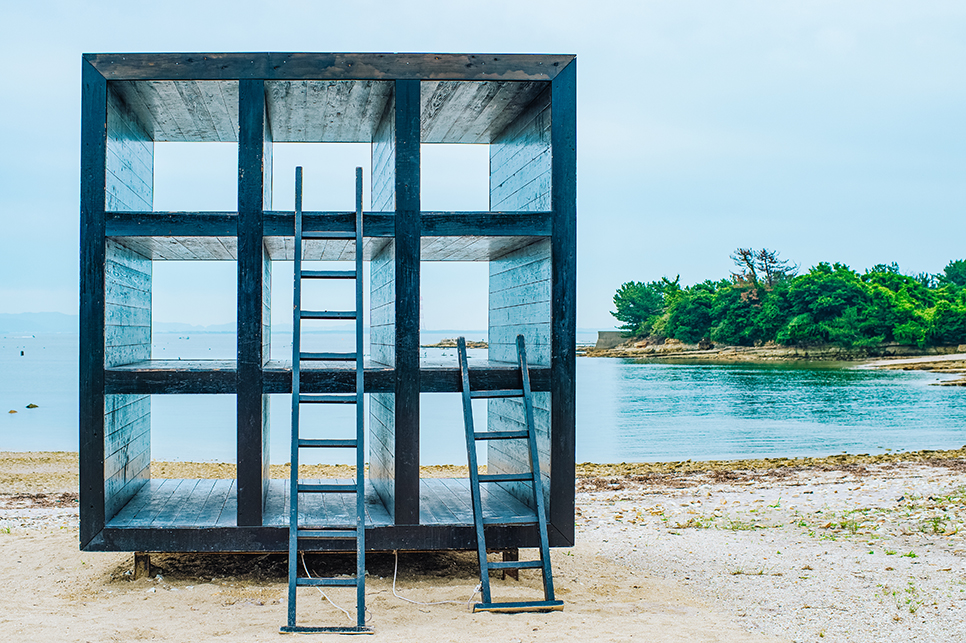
(299, 532)
(532, 478)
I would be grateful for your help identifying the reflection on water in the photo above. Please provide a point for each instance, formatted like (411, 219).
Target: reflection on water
(626, 411)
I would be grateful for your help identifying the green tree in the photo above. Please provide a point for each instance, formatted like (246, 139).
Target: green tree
(689, 317)
(954, 273)
(947, 324)
(639, 304)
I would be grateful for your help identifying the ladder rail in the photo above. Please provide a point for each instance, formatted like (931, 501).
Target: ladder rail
(474, 469)
(293, 526)
(357, 531)
(360, 422)
(537, 485)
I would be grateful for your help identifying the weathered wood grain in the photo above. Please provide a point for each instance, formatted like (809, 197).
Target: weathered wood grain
(564, 296)
(254, 141)
(126, 424)
(407, 271)
(328, 66)
(520, 288)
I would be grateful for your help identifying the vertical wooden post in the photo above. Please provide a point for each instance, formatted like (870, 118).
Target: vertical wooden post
(408, 232)
(92, 255)
(142, 565)
(511, 556)
(254, 151)
(563, 339)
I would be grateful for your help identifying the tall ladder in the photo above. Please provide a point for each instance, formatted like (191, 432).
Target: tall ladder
(532, 478)
(299, 531)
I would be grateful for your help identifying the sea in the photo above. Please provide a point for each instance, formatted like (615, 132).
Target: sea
(627, 410)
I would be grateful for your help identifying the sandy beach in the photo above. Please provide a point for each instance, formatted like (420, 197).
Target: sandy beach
(846, 548)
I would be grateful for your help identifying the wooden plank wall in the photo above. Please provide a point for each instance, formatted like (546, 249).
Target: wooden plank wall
(129, 181)
(520, 286)
(382, 314)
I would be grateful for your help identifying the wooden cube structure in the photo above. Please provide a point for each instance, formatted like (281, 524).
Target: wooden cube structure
(522, 106)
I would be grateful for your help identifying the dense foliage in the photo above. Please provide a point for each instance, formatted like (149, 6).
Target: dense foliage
(829, 304)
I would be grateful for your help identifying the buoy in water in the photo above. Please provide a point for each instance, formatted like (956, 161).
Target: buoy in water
(32, 406)
(11, 411)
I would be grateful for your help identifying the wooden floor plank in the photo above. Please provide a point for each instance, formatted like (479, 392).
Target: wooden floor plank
(311, 506)
(227, 516)
(275, 506)
(337, 506)
(135, 504)
(276, 510)
(497, 502)
(435, 493)
(174, 503)
(376, 512)
(191, 510)
(214, 504)
(155, 504)
(458, 496)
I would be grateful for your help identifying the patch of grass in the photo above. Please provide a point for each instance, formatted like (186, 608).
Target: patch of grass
(850, 525)
(696, 522)
(737, 524)
(911, 554)
(935, 525)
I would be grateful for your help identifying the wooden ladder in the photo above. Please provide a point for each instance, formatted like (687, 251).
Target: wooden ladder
(299, 532)
(531, 478)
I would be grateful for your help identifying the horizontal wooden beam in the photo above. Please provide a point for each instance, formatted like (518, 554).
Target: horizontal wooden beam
(282, 224)
(275, 539)
(329, 66)
(163, 377)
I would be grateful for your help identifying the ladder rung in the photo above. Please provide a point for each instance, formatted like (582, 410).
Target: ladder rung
(516, 564)
(506, 477)
(328, 444)
(328, 314)
(304, 629)
(500, 435)
(327, 234)
(326, 398)
(328, 274)
(510, 520)
(522, 606)
(341, 534)
(326, 582)
(331, 357)
(327, 488)
(513, 392)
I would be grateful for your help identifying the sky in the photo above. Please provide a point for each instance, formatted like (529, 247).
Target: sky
(826, 130)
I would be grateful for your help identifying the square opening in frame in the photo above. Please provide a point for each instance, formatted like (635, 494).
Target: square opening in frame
(194, 310)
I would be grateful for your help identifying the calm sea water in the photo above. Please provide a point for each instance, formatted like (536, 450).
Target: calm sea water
(626, 411)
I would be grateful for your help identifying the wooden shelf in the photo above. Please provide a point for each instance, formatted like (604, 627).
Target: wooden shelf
(212, 236)
(165, 377)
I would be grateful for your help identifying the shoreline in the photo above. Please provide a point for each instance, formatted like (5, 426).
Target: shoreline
(946, 360)
(44, 472)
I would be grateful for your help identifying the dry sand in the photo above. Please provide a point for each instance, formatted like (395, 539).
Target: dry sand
(674, 552)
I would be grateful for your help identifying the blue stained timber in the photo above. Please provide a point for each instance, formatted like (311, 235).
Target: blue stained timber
(520, 287)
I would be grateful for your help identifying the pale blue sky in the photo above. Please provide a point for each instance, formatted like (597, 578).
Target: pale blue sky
(831, 131)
